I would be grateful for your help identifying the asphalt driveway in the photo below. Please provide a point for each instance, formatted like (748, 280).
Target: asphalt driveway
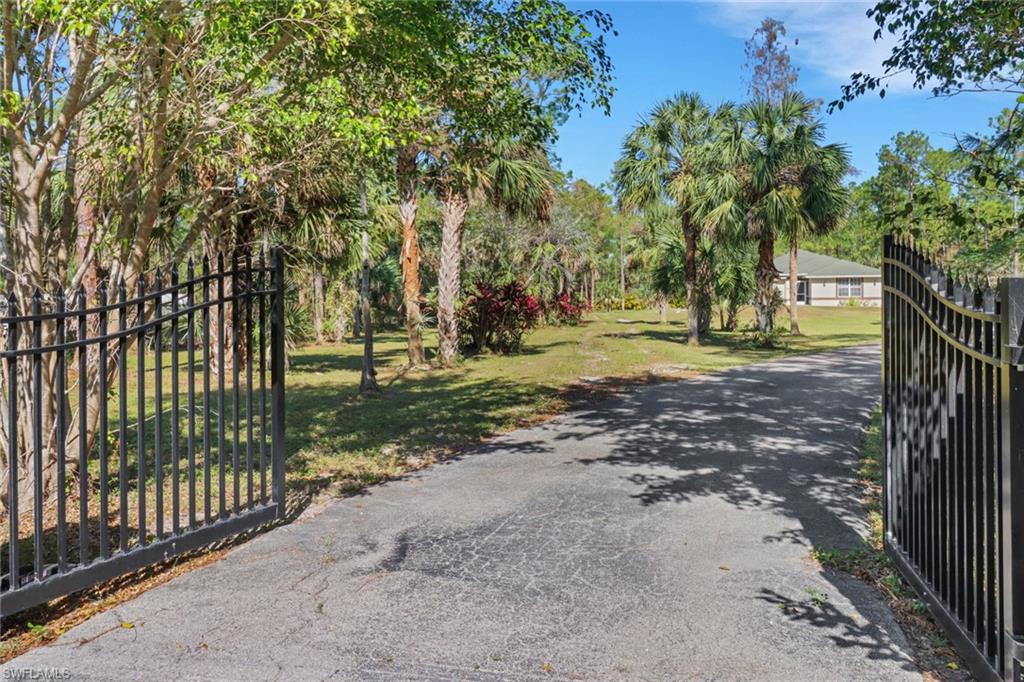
(660, 535)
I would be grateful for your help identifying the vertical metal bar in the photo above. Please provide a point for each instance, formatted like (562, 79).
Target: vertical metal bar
(1012, 366)
(920, 452)
(140, 398)
(263, 377)
(886, 399)
(277, 380)
(103, 426)
(60, 437)
(158, 399)
(236, 389)
(992, 345)
(207, 360)
(37, 432)
(248, 381)
(956, 550)
(122, 408)
(14, 566)
(175, 406)
(978, 507)
(945, 491)
(936, 352)
(906, 462)
(83, 430)
(190, 350)
(928, 429)
(221, 417)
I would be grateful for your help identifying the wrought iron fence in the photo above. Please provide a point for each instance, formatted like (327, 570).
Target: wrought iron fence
(953, 404)
(137, 428)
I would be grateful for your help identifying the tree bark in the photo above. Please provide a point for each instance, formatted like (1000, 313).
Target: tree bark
(453, 216)
(663, 308)
(705, 291)
(368, 379)
(764, 310)
(408, 201)
(794, 323)
(622, 271)
(318, 304)
(692, 295)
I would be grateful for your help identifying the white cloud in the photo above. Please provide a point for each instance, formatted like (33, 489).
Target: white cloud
(836, 38)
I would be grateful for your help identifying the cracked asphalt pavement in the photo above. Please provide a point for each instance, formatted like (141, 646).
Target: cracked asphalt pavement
(662, 535)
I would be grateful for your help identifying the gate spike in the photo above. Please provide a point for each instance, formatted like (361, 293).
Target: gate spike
(988, 299)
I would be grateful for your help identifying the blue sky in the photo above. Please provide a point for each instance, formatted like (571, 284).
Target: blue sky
(664, 48)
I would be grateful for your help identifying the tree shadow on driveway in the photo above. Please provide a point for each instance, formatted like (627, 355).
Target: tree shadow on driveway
(780, 438)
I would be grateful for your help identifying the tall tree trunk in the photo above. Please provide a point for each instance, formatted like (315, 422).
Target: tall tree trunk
(765, 277)
(368, 379)
(663, 308)
(593, 284)
(692, 295)
(453, 216)
(794, 324)
(408, 201)
(731, 313)
(622, 271)
(357, 312)
(705, 284)
(318, 304)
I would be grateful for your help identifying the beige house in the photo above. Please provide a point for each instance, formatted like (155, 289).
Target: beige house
(827, 281)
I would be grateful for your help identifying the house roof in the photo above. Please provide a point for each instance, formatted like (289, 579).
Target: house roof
(810, 264)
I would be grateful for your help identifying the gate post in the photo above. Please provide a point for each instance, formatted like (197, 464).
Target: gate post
(277, 351)
(1011, 292)
(886, 388)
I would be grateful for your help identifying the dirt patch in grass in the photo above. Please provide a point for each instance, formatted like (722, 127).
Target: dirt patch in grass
(932, 651)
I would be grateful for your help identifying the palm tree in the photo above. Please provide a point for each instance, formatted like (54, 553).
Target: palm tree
(662, 160)
(407, 173)
(773, 176)
(824, 203)
(514, 176)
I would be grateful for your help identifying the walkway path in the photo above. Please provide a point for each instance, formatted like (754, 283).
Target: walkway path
(662, 535)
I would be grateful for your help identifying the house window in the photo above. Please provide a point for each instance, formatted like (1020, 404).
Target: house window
(850, 287)
(801, 291)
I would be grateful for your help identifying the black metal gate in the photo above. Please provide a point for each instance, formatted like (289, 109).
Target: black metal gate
(953, 408)
(135, 429)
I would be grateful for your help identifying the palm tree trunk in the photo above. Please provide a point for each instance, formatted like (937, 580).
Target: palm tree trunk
(368, 380)
(765, 277)
(705, 291)
(453, 216)
(318, 305)
(663, 308)
(730, 317)
(408, 201)
(622, 272)
(593, 285)
(692, 295)
(794, 324)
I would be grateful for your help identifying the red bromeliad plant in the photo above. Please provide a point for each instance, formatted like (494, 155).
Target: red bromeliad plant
(497, 317)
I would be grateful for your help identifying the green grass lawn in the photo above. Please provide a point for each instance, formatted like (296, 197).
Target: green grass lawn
(337, 437)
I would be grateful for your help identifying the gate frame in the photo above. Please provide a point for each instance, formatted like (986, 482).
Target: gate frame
(56, 584)
(1009, 307)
